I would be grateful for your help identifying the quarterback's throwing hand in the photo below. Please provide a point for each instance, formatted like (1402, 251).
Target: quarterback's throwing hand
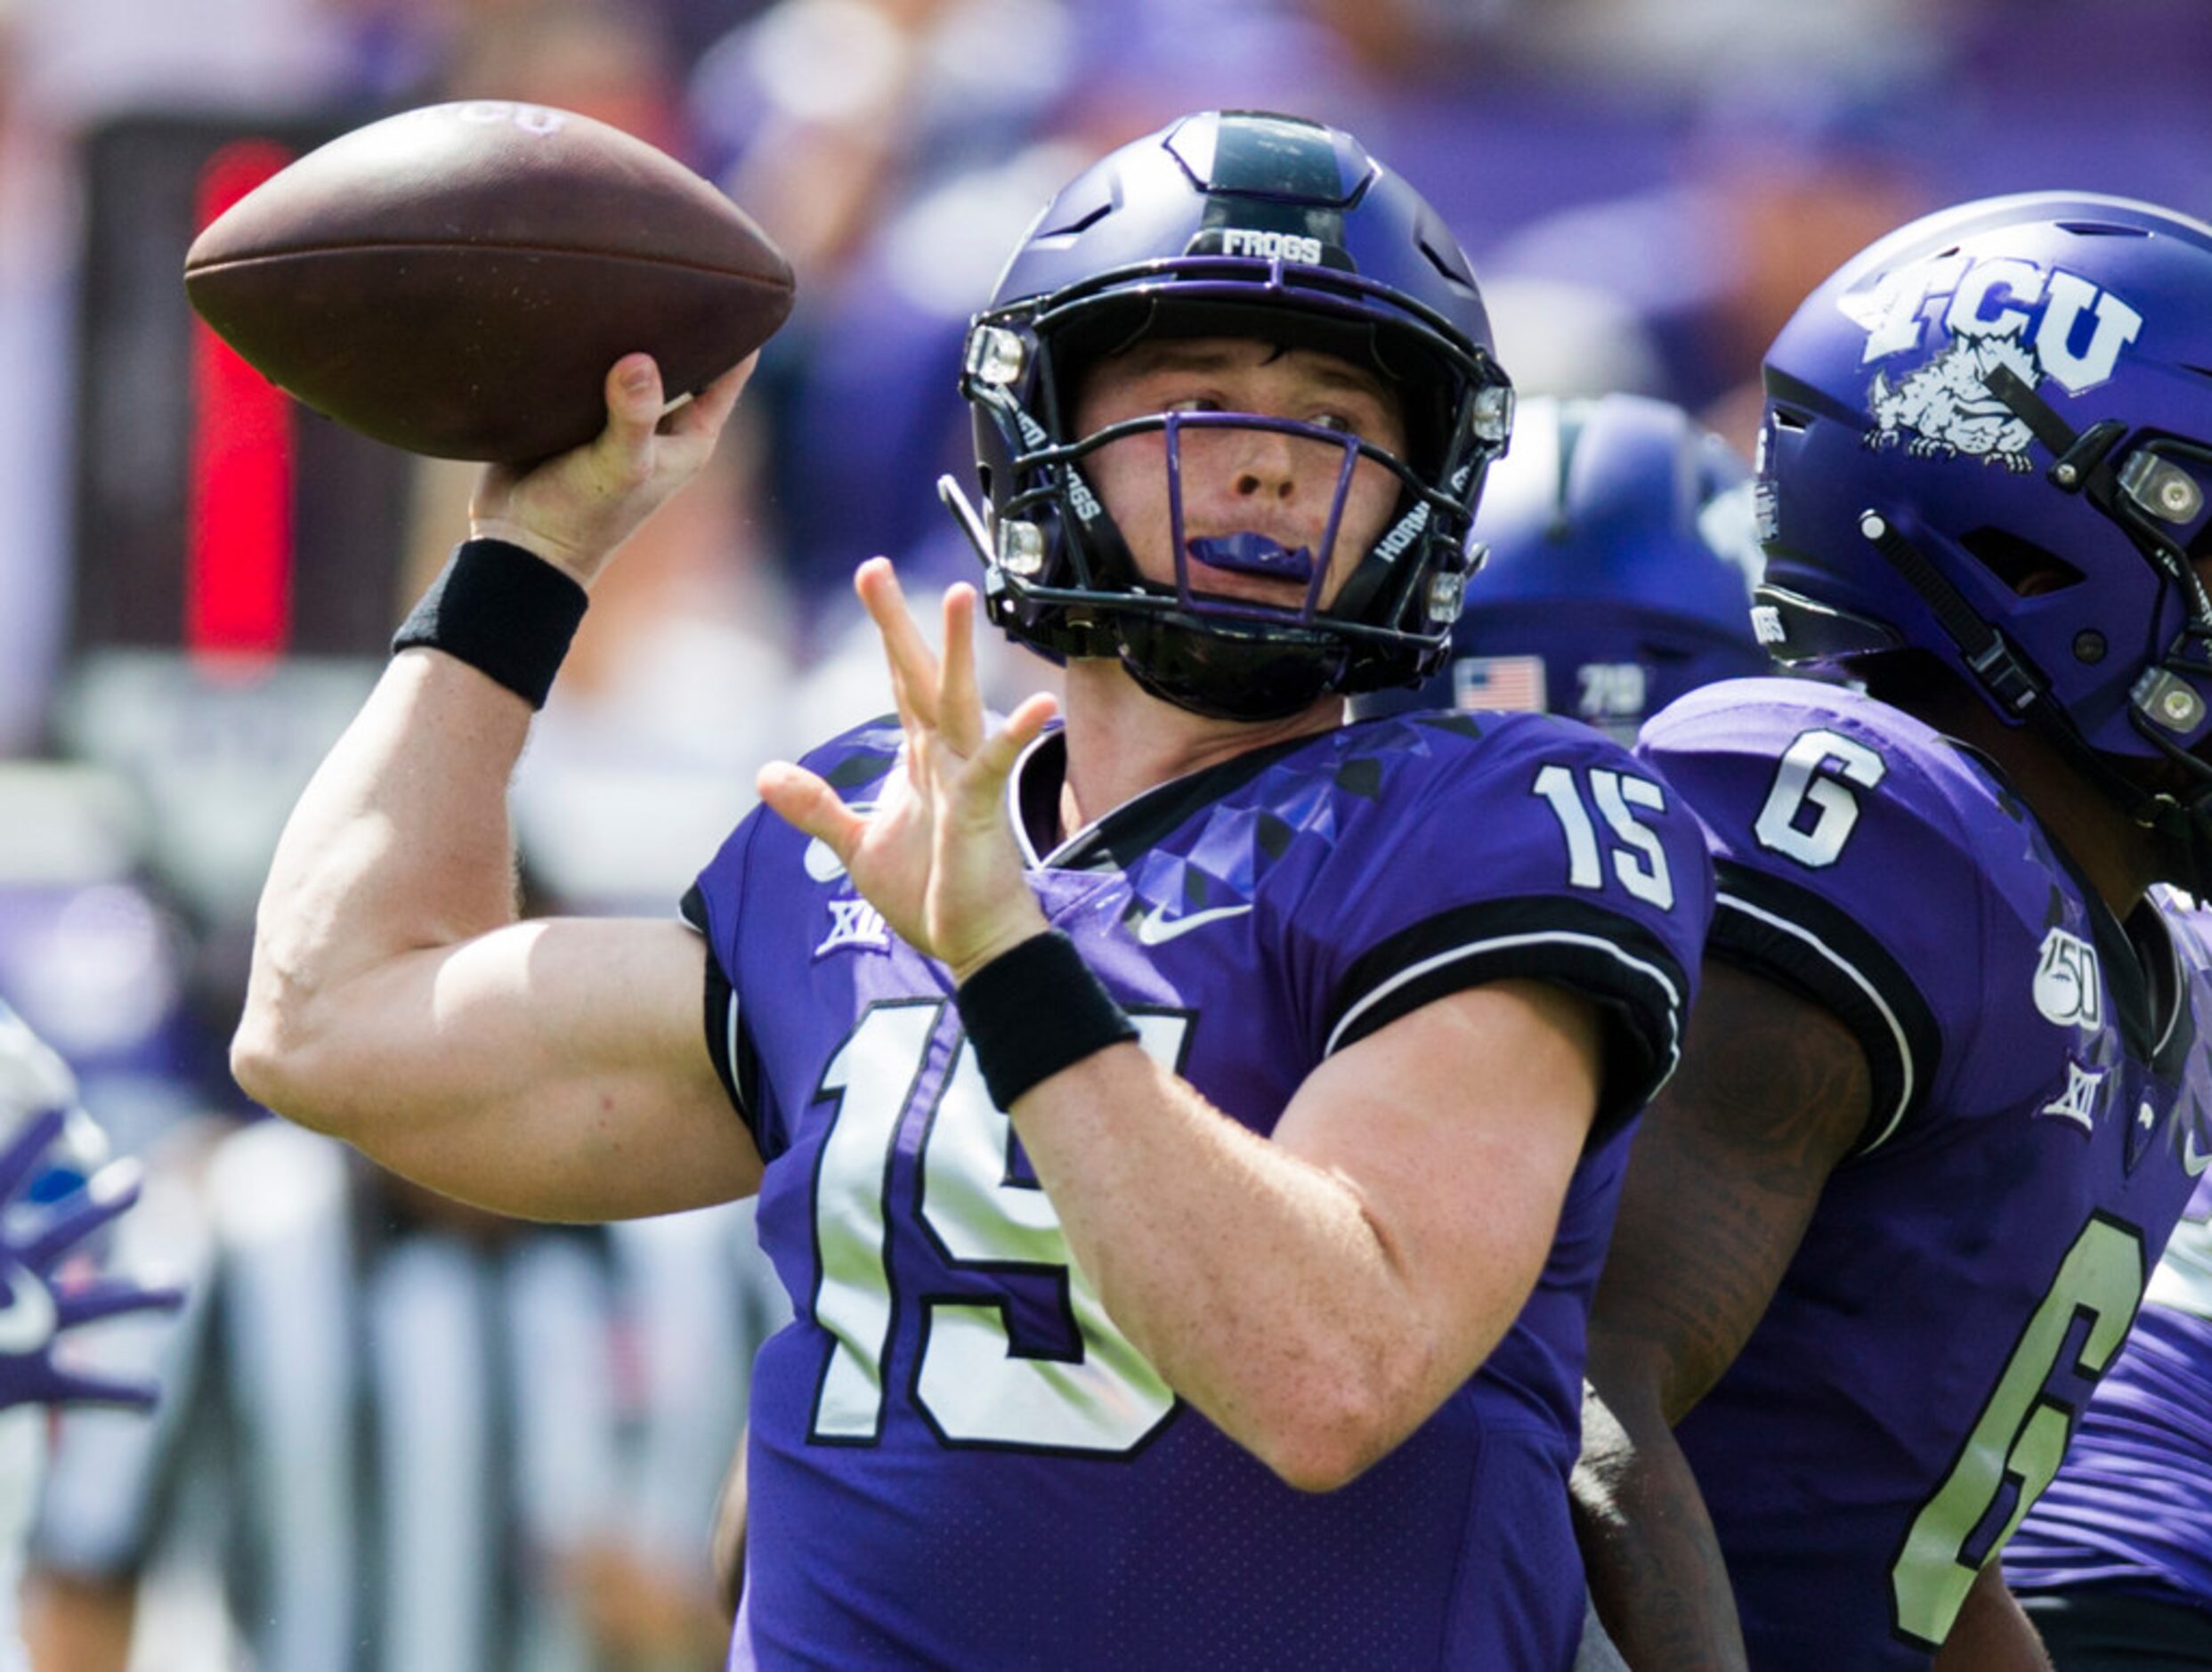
(937, 855)
(575, 510)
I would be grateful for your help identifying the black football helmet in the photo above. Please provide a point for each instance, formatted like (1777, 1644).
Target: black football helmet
(1233, 223)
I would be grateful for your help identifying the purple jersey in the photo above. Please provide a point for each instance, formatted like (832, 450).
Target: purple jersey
(957, 1459)
(1974, 1264)
(2132, 1509)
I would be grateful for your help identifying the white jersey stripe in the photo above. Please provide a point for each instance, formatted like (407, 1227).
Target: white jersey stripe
(1473, 949)
(1906, 1066)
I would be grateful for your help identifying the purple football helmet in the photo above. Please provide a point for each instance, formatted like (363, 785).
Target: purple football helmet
(1989, 437)
(1244, 224)
(1620, 572)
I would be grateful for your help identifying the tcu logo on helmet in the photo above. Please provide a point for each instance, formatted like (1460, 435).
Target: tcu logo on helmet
(2001, 310)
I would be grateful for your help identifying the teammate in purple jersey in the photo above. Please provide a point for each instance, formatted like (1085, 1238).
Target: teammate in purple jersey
(2114, 1563)
(1941, 1099)
(1188, 1135)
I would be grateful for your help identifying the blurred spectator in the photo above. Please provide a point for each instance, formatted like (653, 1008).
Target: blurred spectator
(420, 1431)
(98, 962)
(34, 377)
(93, 58)
(828, 114)
(1702, 46)
(1564, 338)
(595, 57)
(57, 1197)
(1771, 195)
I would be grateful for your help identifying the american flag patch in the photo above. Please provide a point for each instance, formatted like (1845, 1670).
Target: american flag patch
(1498, 682)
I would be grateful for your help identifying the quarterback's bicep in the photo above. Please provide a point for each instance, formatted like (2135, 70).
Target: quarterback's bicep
(553, 1069)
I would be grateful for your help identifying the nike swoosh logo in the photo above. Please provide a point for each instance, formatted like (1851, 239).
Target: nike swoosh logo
(2193, 1160)
(26, 1322)
(1157, 928)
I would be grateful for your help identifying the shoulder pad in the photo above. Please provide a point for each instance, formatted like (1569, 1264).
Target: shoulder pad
(1864, 858)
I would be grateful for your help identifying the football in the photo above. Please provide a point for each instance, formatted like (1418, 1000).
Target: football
(456, 280)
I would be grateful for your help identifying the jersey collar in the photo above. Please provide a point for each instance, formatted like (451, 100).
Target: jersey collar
(1117, 838)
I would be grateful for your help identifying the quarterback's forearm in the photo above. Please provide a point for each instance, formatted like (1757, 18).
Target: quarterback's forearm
(1654, 1562)
(1249, 1279)
(1318, 1293)
(399, 845)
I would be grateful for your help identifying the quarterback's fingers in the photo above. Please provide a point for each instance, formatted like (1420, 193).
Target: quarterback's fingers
(1004, 746)
(913, 665)
(704, 415)
(634, 399)
(695, 426)
(623, 454)
(960, 707)
(803, 801)
(901, 684)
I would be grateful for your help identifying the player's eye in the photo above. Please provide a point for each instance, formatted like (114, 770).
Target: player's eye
(1334, 421)
(1194, 403)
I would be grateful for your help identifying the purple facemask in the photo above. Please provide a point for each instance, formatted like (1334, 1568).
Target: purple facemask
(1249, 552)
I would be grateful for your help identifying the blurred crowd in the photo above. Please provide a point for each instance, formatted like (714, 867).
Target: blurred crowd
(1648, 188)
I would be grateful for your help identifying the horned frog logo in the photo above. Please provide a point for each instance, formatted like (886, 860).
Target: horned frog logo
(1946, 409)
(2038, 323)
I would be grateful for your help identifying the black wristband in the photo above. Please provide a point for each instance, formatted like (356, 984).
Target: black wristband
(505, 611)
(1035, 1011)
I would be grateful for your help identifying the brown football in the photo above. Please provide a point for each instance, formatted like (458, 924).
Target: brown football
(456, 280)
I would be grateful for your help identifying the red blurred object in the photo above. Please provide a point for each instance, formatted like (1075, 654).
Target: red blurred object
(239, 530)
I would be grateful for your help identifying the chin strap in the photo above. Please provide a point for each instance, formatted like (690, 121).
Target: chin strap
(1989, 655)
(2161, 705)
(2179, 824)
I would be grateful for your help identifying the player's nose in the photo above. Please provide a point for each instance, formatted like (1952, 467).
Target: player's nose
(1265, 466)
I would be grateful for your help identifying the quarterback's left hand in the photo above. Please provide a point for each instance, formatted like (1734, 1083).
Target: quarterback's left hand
(34, 1309)
(936, 854)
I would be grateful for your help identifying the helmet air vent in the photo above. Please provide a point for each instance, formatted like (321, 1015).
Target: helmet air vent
(2102, 229)
(2027, 569)
(1444, 266)
(1082, 222)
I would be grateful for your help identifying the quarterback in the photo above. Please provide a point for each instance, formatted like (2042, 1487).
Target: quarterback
(1188, 1129)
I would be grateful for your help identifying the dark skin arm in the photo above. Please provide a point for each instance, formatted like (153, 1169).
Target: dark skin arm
(1772, 1092)
(1991, 1634)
